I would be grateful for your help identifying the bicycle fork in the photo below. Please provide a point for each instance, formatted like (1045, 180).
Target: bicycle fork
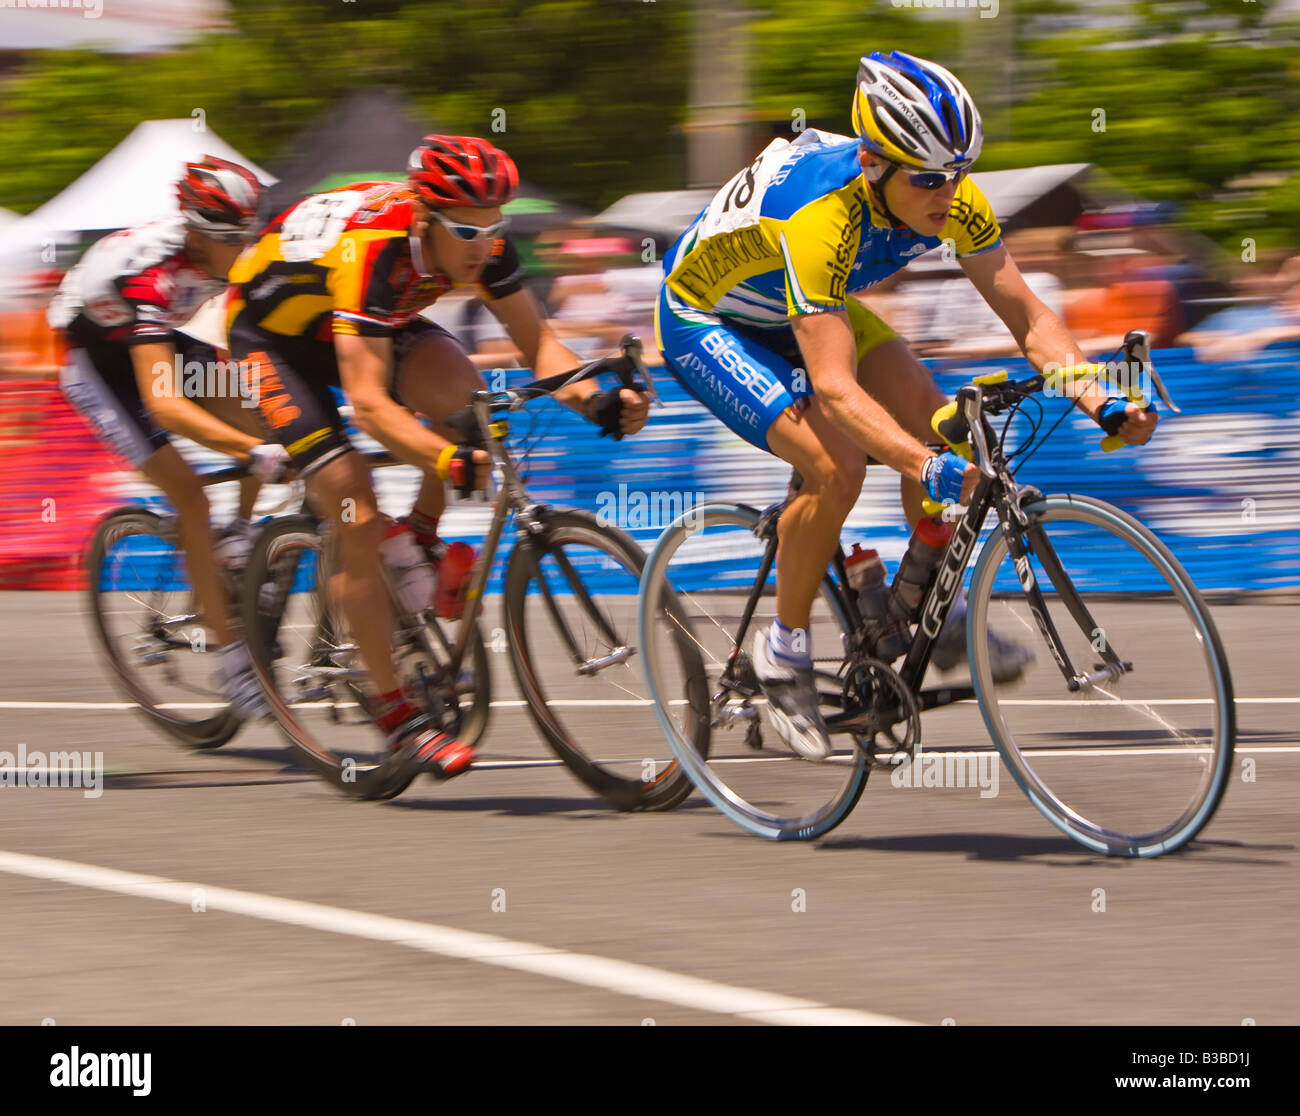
(1035, 542)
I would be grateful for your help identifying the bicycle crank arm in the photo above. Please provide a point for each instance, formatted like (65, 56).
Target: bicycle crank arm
(871, 722)
(938, 696)
(618, 655)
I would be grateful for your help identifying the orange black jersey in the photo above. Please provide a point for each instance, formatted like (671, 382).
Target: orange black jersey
(344, 262)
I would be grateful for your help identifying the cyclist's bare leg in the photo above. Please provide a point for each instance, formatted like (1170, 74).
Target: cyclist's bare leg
(892, 375)
(832, 468)
(170, 472)
(341, 492)
(435, 379)
(245, 419)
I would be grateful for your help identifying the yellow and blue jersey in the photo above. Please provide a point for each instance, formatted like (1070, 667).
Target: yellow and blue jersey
(797, 231)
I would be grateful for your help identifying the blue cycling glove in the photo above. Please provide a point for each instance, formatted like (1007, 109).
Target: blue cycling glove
(1111, 407)
(942, 477)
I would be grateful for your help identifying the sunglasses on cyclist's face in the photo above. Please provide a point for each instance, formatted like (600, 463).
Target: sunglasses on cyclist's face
(470, 233)
(932, 180)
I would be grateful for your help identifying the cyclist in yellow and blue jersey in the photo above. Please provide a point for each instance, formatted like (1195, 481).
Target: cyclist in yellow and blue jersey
(755, 318)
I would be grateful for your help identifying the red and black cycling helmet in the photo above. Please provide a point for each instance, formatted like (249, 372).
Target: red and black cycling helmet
(461, 170)
(218, 198)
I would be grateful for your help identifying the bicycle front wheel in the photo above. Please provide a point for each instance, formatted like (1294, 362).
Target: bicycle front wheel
(698, 582)
(151, 630)
(570, 611)
(1126, 746)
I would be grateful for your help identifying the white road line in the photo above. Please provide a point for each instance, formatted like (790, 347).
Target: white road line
(621, 977)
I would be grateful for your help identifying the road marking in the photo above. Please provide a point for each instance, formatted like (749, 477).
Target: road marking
(621, 977)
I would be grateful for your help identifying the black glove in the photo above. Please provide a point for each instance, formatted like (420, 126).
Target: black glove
(605, 409)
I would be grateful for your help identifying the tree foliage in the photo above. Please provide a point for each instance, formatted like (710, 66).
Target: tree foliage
(1178, 99)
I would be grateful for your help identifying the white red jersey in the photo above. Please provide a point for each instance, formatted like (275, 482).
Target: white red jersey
(133, 287)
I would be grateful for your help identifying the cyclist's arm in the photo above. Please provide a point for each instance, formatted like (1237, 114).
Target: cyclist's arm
(365, 365)
(1041, 335)
(830, 353)
(542, 351)
(177, 414)
(546, 355)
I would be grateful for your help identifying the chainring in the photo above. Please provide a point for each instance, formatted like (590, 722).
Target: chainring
(887, 709)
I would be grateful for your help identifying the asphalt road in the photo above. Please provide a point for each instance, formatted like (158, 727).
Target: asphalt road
(291, 905)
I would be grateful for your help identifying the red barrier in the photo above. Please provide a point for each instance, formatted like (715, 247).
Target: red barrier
(56, 479)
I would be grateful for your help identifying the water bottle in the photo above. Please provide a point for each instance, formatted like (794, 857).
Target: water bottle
(453, 571)
(411, 571)
(917, 569)
(866, 577)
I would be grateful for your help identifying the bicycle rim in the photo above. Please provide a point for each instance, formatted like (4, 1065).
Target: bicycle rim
(570, 609)
(695, 586)
(1134, 764)
(148, 624)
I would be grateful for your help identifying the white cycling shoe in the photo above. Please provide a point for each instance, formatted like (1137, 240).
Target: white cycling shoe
(238, 684)
(1007, 657)
(791, 702)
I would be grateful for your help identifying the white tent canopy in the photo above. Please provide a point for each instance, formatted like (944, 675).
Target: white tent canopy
(664, 213)
(132, 184)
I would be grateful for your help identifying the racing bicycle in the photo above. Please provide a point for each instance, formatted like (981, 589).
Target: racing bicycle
(568, 611)
(1120, 732)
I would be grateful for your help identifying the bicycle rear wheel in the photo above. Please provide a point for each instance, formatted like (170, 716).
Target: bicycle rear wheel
(150, 628)
(695, 587)
(1134, 761)
(316, 681)
(570, 611)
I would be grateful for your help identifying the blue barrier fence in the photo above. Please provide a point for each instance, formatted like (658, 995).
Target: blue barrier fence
(1219, 484)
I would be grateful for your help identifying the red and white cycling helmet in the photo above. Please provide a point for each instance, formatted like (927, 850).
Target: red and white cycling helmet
(218, 198)
(461, 170)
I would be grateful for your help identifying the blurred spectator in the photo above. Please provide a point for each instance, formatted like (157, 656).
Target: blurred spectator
(27, 342)
(603, 294)
(1268, 312)
(1115, 301)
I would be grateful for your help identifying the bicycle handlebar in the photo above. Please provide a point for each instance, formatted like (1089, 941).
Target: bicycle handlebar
(962, 422)
(627, 365)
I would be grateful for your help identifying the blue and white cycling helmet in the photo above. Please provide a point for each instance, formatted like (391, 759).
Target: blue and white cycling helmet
(916, 113)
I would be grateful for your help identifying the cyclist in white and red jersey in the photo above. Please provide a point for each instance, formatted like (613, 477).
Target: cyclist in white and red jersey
(121, 308)
(331, 296)
(756, 320)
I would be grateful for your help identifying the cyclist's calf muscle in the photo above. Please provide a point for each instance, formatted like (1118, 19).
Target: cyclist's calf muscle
(340, 491)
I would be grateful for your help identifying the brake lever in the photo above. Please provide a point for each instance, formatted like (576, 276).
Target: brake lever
(632, 349)
(1137, 350)
(975, 421)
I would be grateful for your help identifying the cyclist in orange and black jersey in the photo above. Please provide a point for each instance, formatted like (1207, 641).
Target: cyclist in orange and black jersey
(331, 294)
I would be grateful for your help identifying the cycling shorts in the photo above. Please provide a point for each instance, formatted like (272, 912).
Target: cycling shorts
(746, 376)
(295, 378)
(99, 381)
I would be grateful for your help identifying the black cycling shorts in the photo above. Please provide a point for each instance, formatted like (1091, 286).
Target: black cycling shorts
(99, 381)
(294, 379)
